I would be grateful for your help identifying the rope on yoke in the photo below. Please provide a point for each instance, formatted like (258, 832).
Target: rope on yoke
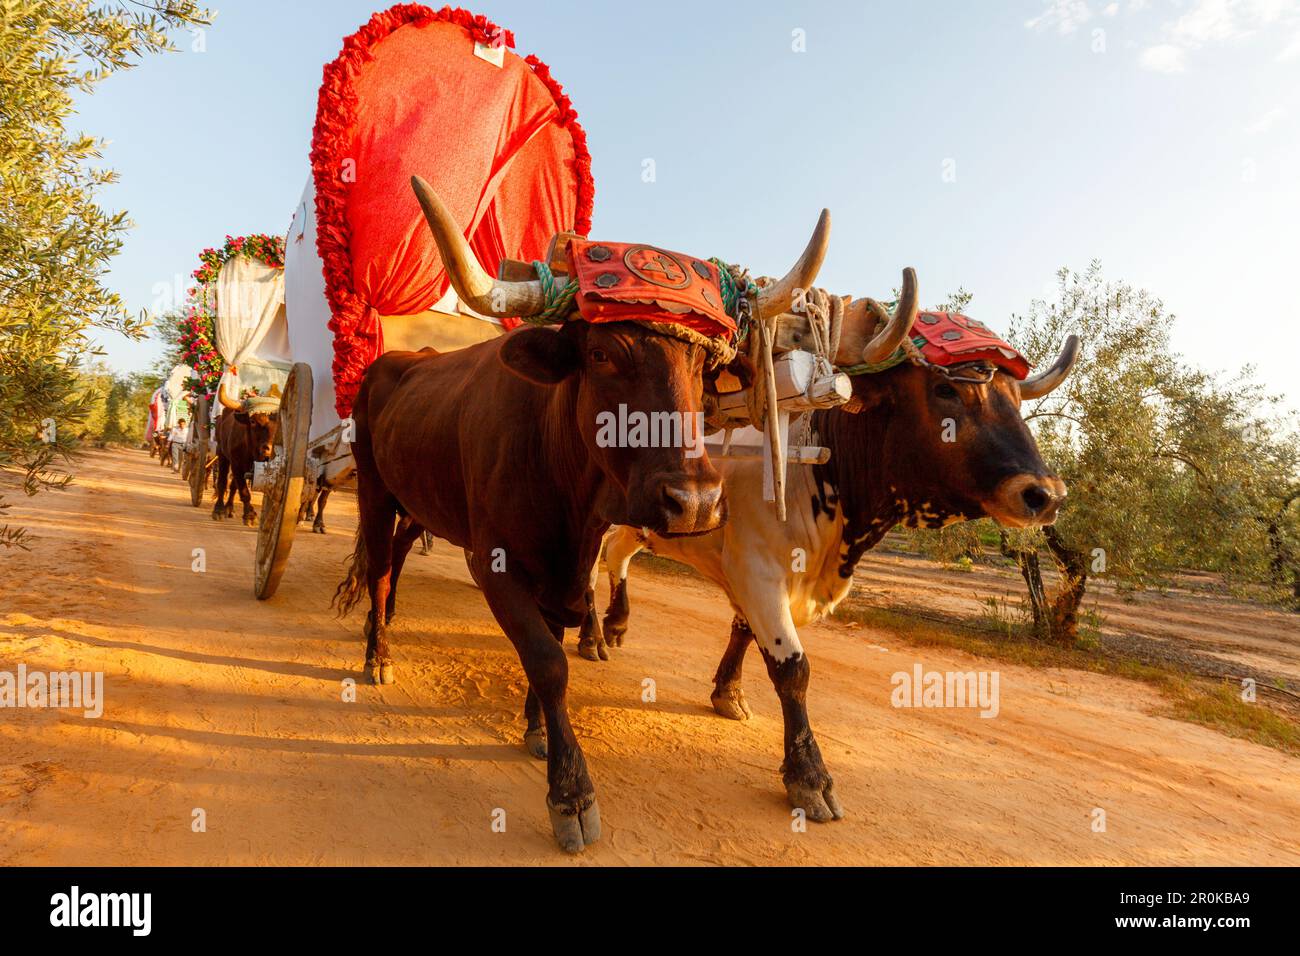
(559, 301)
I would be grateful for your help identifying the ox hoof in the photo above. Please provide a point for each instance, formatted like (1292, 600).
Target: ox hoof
(614, 635)
(730, 703)
(250, 519)
(217, 516)
(318, 529)
(819, 804)
(576, 829)
(535, 743)
(380, 673)
(593, 651)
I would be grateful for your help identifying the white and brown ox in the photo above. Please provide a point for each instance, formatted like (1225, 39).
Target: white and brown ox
(889, 464)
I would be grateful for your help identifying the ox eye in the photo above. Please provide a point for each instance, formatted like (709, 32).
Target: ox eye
(944, 390)
(598, 355)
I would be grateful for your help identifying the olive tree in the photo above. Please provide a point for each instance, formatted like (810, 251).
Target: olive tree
(1168, 467)
(55, 241)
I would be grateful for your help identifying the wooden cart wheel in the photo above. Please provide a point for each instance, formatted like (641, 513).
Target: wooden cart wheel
(198, 455)
(280, 501)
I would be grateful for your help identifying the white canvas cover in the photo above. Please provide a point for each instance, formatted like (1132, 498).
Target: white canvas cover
(308, 311)
(249, 297)
(174, 389)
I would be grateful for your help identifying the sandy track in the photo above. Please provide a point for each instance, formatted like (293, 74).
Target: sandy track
(219, 702)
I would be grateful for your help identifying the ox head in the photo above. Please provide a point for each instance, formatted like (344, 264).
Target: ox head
(951, 438)
(259, 418)
(638, 392)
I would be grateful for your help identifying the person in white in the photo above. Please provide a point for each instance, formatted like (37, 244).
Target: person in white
(178, 436)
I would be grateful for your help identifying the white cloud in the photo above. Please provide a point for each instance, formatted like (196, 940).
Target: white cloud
(1207, 21)
(1065, 15)
(1266, 121)
(1163, 58)
(1188, 25)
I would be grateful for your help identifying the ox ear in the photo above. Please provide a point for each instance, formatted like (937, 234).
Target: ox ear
(541, 355)
(242, 417)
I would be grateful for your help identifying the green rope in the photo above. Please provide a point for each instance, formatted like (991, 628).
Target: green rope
(732, 293)
(559, 303)
(868, 368)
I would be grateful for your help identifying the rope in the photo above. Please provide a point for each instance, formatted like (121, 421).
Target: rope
(559, 299)
(738, 292)
(901, 355)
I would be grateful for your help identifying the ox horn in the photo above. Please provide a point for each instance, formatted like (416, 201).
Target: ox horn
(892, 328)
(1036, 386)
(482, 293)
(225, 401)
(779, 296)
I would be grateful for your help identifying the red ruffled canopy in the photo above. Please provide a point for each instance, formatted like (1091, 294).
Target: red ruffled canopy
(500, 144)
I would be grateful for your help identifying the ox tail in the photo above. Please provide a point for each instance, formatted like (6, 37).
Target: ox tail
(353, 586)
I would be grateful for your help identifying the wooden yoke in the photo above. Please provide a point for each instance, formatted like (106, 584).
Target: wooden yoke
(557, 257)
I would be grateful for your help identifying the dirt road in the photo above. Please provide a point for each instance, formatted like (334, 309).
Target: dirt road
(217, 702)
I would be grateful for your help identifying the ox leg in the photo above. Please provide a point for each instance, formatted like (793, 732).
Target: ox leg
(535, 732)
(223, 475)
(318, 526)
(621, 545)
(245, 496)
(591, 642)
(377, 537)
(571, 798)
(808, 785)
(728, 697)
(407, 532)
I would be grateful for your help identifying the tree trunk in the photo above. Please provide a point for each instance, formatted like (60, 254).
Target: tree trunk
(1027, 560)
(1063, 620)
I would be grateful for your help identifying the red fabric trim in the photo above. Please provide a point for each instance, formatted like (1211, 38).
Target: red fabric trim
(358, 336)
(581, 155)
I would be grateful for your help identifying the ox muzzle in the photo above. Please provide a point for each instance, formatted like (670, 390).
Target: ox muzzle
(1027, 500)
(675, 505)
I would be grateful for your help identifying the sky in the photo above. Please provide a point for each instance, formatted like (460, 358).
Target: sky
(985, 144)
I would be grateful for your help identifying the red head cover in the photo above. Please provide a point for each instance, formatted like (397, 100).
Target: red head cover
(620, 281)
(952, 338)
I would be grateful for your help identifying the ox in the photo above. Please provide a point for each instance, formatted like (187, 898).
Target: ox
(889, 464)
(245, 434)
(158, 447)
(313, 508)
(494, 448)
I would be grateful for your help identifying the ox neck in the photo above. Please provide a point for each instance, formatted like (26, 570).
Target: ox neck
(856, 483)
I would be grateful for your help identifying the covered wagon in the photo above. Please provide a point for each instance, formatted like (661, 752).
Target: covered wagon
(440, 94)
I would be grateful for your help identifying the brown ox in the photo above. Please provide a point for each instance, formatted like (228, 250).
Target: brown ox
(159, 447)
(243, 437)
(924, 446)
(494, 448)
